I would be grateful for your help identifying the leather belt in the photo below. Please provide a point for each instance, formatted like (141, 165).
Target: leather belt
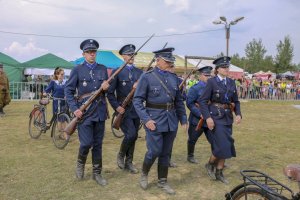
(167, 106)
(79, 98)
(220, 105)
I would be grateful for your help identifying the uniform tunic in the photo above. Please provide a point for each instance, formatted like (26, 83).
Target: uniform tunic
(150, 90)
(119, 88)
(193, 96)
(57, 90)
(4, 90)
(221, 136)
(86, 78)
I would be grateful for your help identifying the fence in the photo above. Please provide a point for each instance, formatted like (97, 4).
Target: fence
(32, 90)
(26, 90)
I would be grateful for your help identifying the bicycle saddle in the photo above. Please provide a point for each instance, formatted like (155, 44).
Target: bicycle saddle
(292, 171)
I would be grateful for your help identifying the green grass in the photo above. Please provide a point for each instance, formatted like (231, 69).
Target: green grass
(267, 140)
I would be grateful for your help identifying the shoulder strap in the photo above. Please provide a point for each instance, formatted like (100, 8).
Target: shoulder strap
(164, 85)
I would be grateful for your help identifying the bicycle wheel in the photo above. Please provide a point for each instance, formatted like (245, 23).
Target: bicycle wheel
(59, 137)
(37, 123)
(251, 193)
(117, 133)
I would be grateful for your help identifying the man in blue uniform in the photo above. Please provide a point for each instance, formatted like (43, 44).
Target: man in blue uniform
(217, 102)
(120, 87)
(192, 103)
(159, 104)
(86, 78)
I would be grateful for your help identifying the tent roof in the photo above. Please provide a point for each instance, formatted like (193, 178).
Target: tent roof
(107, 58)
(142, 59)
(232, 68)
(49, 61)
(7, 60)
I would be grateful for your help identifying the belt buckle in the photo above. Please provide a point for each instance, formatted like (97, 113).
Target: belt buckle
(169, 106)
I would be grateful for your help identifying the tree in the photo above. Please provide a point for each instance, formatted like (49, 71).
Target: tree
(284, 56)
(255, 52)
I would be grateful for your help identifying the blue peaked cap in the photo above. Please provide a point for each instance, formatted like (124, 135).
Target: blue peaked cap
(205, 70)
(222, 61)
(128, 49)
(165, 54)
(89, 44)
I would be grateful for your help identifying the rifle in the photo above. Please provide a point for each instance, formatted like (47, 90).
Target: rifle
(72, 125)
(201, 121)
(119, 117)
(189, 74)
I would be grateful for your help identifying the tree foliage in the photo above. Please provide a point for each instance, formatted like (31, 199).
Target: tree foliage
(283, 59)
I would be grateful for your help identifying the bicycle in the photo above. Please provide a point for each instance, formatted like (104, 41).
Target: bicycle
(258, 185)
(38, 122)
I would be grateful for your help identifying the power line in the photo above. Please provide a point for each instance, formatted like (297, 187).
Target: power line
(107, 37)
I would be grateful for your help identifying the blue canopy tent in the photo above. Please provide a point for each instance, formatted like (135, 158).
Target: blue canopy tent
(107, 58)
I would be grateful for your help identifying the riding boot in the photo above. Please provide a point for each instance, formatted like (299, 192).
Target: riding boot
(144, 175)
(80, 166)
(97, 167)
(191, 158)
(121, 155)
(129, 158)
(162, 179)
(2, 113)
(210, 169)
(220, 176)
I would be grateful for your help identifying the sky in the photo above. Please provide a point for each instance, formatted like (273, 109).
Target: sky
(31, 28)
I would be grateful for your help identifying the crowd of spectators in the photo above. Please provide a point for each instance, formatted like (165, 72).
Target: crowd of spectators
(277, 89)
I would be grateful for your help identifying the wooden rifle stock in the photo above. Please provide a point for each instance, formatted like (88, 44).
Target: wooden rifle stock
(119, 117)
(71, 127)
(189, 74)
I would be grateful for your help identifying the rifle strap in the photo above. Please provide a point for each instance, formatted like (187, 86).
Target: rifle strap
(164, 85)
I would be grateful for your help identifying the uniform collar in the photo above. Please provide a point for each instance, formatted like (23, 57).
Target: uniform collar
(220, 78)
(161, 71)
(130, 66)
(91, 66)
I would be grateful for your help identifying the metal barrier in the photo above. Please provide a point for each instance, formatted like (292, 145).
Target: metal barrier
(32, 90)
(26, 90)
(269, 93)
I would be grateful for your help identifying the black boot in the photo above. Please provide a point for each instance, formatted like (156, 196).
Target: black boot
(162, 179)
(80, 166)
(144, 175)
(129, 158)
(2, 113)
(220, 176)
(210, 169)
(191, 158)
(121, 155)
(97, 167)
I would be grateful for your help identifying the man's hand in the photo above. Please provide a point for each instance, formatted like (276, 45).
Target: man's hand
(105, 85)
(185, 126)
(120, 110)
(150, 125)
(78, 113)
(238, 119)
(210, 123)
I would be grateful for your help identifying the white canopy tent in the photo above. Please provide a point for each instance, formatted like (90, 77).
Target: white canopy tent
(43, 71)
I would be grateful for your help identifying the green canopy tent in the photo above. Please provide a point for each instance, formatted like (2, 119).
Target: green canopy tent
(45, 65)
(11, 68)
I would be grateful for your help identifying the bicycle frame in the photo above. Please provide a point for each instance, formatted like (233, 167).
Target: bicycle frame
(269, 187)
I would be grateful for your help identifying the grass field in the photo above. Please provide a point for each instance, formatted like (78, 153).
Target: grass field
(267, 139)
